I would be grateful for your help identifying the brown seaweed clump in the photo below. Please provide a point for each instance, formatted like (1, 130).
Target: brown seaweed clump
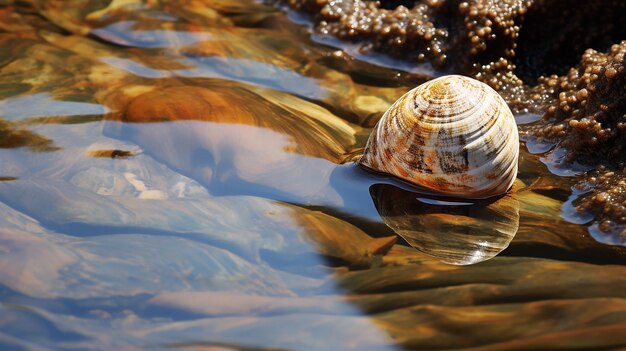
(399, 32)
(608, 200)
(589, 120)
(424, 31)
(589, 113)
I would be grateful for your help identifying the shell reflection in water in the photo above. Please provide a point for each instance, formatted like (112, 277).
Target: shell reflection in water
(452, 135)
(455, 232)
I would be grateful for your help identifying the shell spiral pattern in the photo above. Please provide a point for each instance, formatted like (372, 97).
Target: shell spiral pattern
(452, 135)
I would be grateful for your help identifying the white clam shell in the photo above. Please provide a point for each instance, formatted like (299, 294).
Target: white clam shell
(452, 135)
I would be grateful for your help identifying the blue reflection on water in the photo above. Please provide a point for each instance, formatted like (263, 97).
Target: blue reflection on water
(124, 33)
(90, 263)
(44, 105)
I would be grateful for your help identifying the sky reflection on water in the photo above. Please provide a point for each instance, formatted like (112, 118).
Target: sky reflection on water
(178, 175)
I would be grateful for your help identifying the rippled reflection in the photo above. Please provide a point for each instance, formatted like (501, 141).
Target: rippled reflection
(196, 193)
(136, 254)
(455, 231)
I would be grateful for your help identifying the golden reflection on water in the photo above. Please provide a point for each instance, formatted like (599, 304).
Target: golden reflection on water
(176, 175)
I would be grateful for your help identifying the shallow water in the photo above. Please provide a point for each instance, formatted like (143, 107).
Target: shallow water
(178, 175)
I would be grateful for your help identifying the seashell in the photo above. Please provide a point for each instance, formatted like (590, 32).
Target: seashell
(452, 135)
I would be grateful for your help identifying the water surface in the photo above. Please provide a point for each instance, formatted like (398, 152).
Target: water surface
(178, 175)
